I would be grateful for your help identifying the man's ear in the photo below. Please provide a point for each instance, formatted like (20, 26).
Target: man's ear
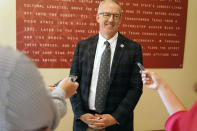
(97, 18)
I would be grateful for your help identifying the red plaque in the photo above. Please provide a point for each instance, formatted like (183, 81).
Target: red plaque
(48, 30)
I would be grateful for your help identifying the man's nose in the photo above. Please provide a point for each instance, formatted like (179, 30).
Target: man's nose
(111, 18)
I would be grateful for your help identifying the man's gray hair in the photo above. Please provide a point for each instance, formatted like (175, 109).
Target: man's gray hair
(102, 2)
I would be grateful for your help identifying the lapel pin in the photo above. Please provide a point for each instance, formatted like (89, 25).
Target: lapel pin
(121, 45)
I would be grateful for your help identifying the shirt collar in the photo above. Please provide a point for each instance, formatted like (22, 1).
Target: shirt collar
(111, 41)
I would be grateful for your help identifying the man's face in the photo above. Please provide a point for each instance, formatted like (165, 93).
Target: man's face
(109, 19)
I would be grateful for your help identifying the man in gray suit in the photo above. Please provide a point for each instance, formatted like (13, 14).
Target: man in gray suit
(124, 85)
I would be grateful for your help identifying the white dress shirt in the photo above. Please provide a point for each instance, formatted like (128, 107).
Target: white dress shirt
(99, 51)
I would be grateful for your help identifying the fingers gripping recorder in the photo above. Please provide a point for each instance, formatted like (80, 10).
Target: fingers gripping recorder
(73, 78)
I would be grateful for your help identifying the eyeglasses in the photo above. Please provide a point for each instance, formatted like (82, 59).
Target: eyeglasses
(108, 15)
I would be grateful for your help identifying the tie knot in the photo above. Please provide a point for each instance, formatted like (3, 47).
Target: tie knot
(107, 43)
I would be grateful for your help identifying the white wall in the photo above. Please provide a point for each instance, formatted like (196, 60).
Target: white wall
(150, 113)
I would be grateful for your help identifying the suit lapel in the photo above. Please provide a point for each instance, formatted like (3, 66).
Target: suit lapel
(120, 47)
(91, 55)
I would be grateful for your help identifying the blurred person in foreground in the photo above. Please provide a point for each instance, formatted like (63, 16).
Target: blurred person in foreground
(25, 103)
(180, 119)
